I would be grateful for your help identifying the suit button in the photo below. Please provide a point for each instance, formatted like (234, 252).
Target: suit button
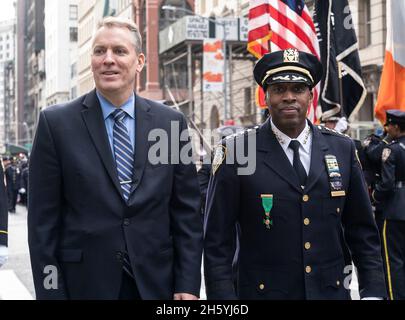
(307, 221)
(338, 210)
(307, 245)
(305, 198)
(338, 283)
(127, 222)
(308, 269)
(261, 286)
(119, 256)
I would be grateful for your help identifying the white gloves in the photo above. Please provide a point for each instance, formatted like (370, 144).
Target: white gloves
(3, 255)
(341, 125)
(22, 191)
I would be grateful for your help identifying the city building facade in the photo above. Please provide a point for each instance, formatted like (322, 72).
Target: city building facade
(7, 106)
(60, 48)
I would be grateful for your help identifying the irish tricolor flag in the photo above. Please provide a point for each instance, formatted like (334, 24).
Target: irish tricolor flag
(391, 94)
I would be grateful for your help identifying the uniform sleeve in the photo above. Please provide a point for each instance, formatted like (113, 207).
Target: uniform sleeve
(186, 225)
(374, 150)
(362, 236)
(387, 184)
(220, 231)
(3, 210)
(44, 211)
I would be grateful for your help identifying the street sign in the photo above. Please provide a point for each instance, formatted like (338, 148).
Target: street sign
(197, 28)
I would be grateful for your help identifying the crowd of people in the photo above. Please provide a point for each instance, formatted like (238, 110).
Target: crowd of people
(16, 178)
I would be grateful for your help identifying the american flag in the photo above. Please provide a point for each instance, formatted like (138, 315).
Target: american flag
(287, 24)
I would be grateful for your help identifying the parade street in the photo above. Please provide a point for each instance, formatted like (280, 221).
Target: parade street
(16, 277)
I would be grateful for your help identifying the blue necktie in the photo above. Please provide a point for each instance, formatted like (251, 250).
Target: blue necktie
(124, 159)
(124, 154)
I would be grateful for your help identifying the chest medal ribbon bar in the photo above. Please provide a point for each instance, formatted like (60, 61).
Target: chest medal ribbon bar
(267, 203)
(335, 177)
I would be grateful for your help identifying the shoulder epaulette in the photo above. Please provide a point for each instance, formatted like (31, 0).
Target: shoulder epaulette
(332, 132)
(242, 133)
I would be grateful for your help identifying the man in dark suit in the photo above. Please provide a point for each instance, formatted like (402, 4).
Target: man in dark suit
(105, 218)
(3, 219)
(305, 194)
(389, 195)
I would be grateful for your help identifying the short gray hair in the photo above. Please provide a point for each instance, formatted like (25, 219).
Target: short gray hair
(118, 22)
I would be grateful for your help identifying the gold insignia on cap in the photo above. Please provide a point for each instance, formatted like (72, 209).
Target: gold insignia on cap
(291, 55)
(219, 157)
(386, 154)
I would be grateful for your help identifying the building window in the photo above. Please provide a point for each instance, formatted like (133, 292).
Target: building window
(214, 118)
(364, 23)
(366, 112)
(73, 70)
(73, 93)
(73, 34)
(73, 12)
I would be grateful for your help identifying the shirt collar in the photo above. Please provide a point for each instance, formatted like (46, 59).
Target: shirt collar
(284, 140)
(108, 108)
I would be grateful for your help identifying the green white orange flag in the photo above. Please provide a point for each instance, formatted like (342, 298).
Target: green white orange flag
(391, 94)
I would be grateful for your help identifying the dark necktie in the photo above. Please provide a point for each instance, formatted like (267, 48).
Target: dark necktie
(124, 159)
(297, 164)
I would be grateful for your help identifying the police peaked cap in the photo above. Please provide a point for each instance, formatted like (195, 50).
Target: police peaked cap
(395, 117)
(288, 65)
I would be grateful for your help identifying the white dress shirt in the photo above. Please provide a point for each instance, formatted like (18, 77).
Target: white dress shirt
(305, 140)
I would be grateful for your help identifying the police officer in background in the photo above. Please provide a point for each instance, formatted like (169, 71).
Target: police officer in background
(23, 187)
(12, 173)
(3, 219)
(307, 187)
(390, 194)
(373, 148)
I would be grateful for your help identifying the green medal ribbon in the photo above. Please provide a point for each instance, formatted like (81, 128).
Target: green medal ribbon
(267, 203)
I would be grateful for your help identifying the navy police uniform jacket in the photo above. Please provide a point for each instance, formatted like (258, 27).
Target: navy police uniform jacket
(301, 256)
(3, 210)
(390, 192)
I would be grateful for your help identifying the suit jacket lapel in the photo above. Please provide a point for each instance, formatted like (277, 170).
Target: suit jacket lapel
(143, 126)
(276, 158)
(94, 120)
(319, 148)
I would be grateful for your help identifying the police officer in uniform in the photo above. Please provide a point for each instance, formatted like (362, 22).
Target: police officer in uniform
(3, 219)
(390, 194)
(306, 192)
(12, 174)
(373, 148)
